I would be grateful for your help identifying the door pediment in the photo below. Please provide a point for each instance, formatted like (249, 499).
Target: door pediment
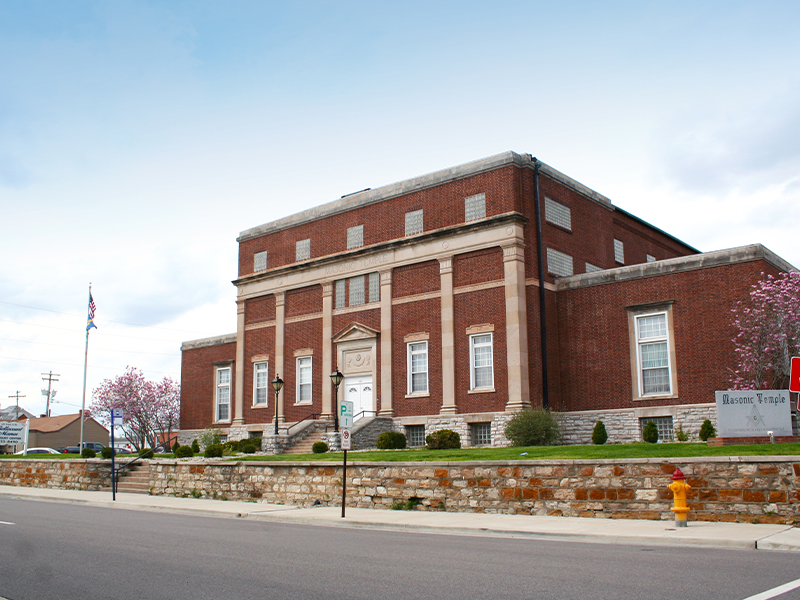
(354, 332)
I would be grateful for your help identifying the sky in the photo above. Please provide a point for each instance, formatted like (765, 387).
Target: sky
(139, 138)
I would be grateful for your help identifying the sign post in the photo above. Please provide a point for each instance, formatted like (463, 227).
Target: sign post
(794, 378)
(346, 421)
(116, 415)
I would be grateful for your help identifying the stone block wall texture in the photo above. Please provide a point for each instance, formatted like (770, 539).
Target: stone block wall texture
(732, 489)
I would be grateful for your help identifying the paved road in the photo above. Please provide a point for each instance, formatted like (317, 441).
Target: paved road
(65, 551)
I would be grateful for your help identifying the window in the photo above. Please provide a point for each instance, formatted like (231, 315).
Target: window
(304, 380)
(481, 434)
(619, 252)
(223, 412)
(415, 435)
(417, 367)
(558, 263)
(651, 258)
(413, 222)
(302, 250)
(475, 207)
(355, 237)
(374, 287)
(356, 291)
(664, 424)
(653, 354)
(260, 261)
(340, 294)
(590, 268)
(557, 214)
(260, 383)
(481, 372)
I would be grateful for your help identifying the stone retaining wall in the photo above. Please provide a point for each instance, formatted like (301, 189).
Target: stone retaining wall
(744, 489)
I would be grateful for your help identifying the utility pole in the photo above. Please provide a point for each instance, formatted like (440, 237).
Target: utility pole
(17, 396)
(49, 378)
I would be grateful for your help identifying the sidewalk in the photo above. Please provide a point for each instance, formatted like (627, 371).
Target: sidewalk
(610, 531)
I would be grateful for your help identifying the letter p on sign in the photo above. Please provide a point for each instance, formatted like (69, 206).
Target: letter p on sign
(794, 379)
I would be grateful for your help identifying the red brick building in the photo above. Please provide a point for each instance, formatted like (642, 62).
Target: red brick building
(454, 299)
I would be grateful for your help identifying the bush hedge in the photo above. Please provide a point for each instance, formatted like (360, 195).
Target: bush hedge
(391, 440)
(319, 448)
(184, 452)
(444, 439)
(213, 451)
(88, 453)
(534, 427)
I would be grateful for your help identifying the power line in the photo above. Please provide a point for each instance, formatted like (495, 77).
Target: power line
(52, 362)
(100, 349)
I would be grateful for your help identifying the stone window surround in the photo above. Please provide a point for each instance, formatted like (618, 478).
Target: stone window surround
(219, 368)
(301, 355)
(636, 384)
(409, 374)
(473, 332)
(260, 360)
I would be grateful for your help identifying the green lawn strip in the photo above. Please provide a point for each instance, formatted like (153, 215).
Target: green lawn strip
(612, 451)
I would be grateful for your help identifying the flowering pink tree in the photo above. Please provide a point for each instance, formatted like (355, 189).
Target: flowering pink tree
(150, 408)
(767, 327)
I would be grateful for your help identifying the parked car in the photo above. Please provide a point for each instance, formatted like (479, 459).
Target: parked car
(38, 451)
(74, 449)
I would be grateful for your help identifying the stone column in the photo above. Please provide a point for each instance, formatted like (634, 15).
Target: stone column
(238, 412)
(516, 327)
(386, 344)
(327, 349)
(448, 338)
(280, 326)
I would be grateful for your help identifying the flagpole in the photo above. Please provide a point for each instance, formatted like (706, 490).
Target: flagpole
(89, 325)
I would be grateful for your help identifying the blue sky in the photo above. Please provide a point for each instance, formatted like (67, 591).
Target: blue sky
(137, 139)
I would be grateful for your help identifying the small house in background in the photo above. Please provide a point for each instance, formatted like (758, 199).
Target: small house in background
(65, 430)
(14, 413)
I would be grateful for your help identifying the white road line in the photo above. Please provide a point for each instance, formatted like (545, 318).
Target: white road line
(781, 589)
(5, 523)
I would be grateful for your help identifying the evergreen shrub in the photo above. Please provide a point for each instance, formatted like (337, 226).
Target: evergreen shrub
(444, 439)
(195, 446)
(319, 448)
(175, 446)
(599, 434)
(249, 448)
(88, 453)
(391, 440)
(184, 452)
(534, 427)
(106, 452)
(650, 433)
(213, 451)
(707, 430)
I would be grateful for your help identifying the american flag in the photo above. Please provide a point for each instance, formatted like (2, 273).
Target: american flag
(92, 307)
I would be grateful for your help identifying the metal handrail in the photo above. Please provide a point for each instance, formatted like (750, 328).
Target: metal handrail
(122, 467)
(364, 412)
(312, 416)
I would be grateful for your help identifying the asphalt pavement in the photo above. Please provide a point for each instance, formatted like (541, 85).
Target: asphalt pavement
(619, 531)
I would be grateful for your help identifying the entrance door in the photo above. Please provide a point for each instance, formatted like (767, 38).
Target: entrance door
(358, 390)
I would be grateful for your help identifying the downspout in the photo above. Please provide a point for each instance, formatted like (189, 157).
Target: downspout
(540, 255)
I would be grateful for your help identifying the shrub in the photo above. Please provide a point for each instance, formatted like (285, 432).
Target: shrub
(650, 433)
(175, 446)
(146, 453)
(319, 448)
(534, 427)
(249, 448)
(599, 434)
(88, 453)
(195, 446)
(444, 439)
(255, 441)
(707, 430)
(184, 452)
(681, 435)
(391, 440)
(106, 452)
(213, 451)
(209, 436)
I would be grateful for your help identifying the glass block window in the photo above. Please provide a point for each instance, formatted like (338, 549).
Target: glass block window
(303, 379)
(481, 434)
(302, 250)
(475, 207)
(415, 435)
(651, 258)
(223, 412)
(413, 222)
(653, 350)
(355, 237)
(260, 261)
(374, 287)
(590, 268)
(557, 214)
(260, 383)
(619, 252)
(481, 373)
(665, 431)
(558, 263)
(417, 367)
(340, 294)
(356, 291)
(254, 434)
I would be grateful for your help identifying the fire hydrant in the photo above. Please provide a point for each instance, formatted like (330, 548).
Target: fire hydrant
(679, 487)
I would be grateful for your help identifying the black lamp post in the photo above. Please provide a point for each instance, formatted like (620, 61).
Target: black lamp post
(277, 384)
(336, 379)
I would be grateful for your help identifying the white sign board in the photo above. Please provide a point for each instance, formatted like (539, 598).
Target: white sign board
(12, 433)
(753, 413)
(117, 415)
(345, 439)
(346, 414)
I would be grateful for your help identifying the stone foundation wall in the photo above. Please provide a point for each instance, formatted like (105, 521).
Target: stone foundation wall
(744, 489)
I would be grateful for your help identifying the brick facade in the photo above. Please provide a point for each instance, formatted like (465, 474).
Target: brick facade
(472, 269)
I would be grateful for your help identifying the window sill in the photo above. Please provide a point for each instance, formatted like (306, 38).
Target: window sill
(419, 395)
(656, 397)
(260, 406)
(303, 403)
(482, 391)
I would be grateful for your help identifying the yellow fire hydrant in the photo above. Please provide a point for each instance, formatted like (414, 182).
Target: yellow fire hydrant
(679, 487)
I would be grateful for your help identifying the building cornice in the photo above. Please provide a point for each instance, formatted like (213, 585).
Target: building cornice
(208, 342)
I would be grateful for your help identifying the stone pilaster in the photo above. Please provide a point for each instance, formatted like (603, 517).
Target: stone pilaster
(386, 344)
(448, 337)
(280, 328)
(327, 348)
(238, 412)
(516, 327)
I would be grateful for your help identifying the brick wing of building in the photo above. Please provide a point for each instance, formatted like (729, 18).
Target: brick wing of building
(454, 299)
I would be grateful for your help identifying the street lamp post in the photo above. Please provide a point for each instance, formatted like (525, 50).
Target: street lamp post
(336, 379)
(277, 384)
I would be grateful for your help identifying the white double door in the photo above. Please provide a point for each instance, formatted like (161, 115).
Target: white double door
(359, 391)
